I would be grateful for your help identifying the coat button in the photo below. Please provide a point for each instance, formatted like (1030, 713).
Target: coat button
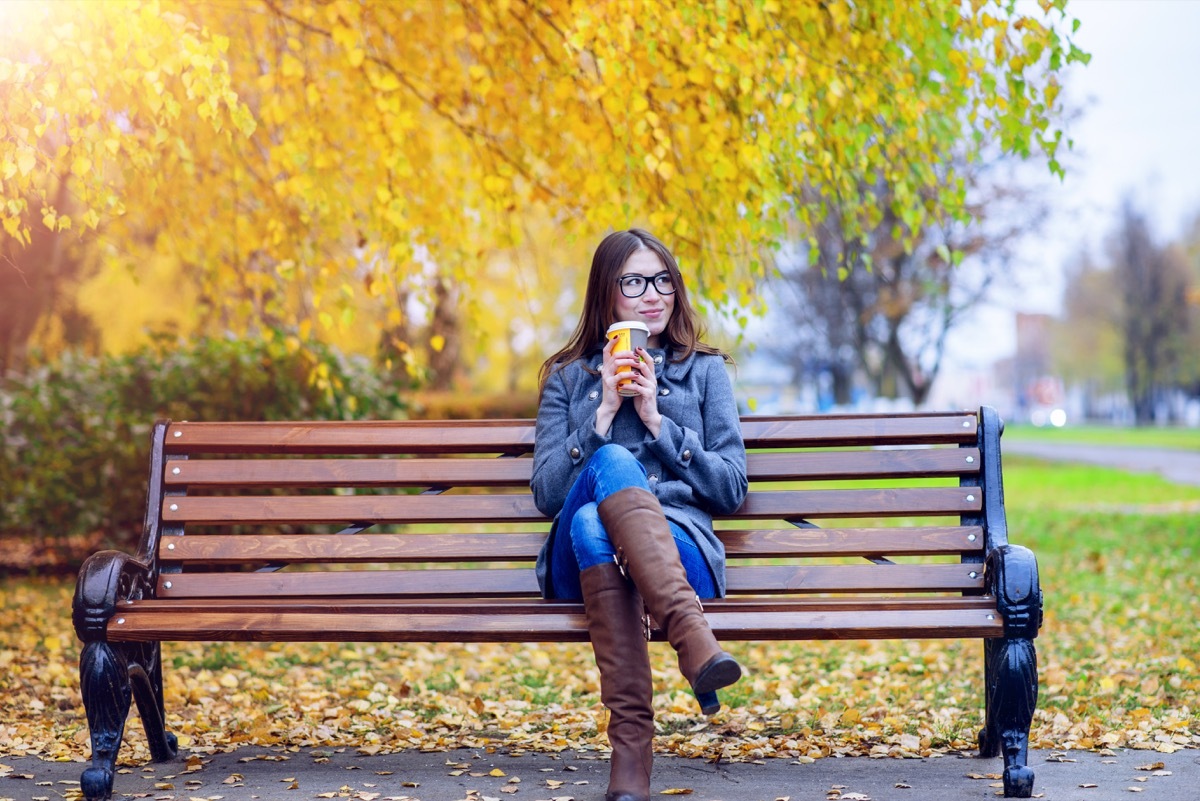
(652, 477)
(574, 453)
(658, 359)
(687, 455)
(593, 395)
(664, 391)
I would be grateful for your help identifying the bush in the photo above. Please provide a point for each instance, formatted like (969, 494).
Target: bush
(75, 434)
(462, 406)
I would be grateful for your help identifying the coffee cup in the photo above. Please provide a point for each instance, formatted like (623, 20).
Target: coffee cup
(630, 335)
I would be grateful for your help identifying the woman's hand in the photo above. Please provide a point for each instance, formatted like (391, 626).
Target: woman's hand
(610, 400)
(645, 402)
(643, 383)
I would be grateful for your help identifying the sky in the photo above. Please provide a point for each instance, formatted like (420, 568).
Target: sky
(1137, 135)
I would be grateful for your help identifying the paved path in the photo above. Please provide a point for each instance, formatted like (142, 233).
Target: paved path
(259, 774)
(1179, 466)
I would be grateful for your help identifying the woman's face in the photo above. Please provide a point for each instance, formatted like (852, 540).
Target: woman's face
(650, 308)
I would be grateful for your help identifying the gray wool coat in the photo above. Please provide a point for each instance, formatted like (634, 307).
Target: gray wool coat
(696, 467)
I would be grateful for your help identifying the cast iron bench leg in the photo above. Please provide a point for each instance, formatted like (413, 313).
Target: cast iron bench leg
(1011, 696)
(146, 676)
(1010, 665)
(104, 683)
(111, 676)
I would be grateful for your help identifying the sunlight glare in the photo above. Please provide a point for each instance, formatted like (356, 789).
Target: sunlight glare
(18, 18)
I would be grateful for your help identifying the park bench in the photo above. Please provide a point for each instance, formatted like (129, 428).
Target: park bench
(425, 531)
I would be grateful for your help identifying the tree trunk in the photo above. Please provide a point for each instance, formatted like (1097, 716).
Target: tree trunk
(445, 363)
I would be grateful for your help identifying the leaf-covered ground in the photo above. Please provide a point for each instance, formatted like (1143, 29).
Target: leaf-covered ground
(1117, 657)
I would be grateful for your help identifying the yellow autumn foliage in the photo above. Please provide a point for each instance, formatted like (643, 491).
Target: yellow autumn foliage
(342, 163)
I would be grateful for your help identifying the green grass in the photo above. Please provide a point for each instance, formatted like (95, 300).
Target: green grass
(1118, 559)
(1149, 437)
(1033, 484)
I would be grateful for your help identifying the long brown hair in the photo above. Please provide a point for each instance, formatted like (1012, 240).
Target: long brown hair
(683, 331)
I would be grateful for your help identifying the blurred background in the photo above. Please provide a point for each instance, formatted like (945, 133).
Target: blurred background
(344, 209)
(1092, 314)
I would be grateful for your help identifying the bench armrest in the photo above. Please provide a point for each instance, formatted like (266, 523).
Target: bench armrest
(1012, 577)
(106, 578)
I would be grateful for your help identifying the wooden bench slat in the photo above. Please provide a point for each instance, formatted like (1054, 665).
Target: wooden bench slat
(214, 549)
(854, 578)
(417, 472)
(519, 507)
(466, 582)
(859, 430)
(906, 624)
(881, 541)
(865, 604)
(541, 627)
(888, 502)
(340, 509)
(492, 471)
(334, 548)
(835, 465)
(516, 436)
(521, 581)
(367, 437)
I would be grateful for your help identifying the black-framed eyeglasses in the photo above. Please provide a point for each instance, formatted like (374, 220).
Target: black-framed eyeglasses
(634, 286)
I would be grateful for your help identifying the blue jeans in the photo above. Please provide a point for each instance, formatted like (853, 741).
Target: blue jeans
(580, 540)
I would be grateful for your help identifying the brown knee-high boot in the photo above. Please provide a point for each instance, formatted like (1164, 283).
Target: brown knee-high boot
(614, 618)
(635, 523)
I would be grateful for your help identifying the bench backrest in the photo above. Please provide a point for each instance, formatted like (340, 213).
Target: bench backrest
(874, 504)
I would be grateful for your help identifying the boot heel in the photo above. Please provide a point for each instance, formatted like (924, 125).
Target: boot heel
(720, 671)
(709, 703)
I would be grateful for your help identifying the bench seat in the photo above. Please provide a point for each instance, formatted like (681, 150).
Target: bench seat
(275, 620)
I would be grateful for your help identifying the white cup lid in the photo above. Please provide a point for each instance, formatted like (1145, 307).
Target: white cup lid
(629, 324)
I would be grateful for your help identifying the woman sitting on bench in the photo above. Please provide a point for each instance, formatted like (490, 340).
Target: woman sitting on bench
(632, 487)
